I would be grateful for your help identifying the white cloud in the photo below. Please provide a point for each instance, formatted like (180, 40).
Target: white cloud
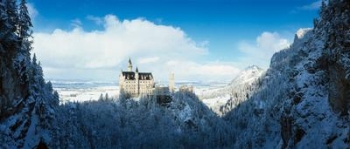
(147, 60)
(211, 71)
(32, 10)
(260, 52)
(100, 54)
(312, 6)
(271, 41)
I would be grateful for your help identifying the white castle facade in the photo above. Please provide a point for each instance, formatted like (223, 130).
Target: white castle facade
(136, 83)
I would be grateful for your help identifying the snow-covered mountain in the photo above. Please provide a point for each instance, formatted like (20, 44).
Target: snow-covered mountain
(223, 99)
(247, 76)
(303, 99)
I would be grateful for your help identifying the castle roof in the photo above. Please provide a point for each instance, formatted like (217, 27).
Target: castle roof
(130, 75)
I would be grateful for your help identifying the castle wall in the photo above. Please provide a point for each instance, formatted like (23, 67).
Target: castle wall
(135, 83)
(136, 87)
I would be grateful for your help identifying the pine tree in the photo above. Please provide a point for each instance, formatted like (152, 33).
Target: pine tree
(37, 82)
(24, 31)
(101, 97)
(9, 18)
(56, 98)
(12, 14)
(23, 91)
(106, 97)
(34, 59)
(24, 23)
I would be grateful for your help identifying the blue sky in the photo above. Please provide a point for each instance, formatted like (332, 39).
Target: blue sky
(227, 33)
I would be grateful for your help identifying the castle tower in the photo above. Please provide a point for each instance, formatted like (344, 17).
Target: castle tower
(137, 86)
(130, 65)
(171, 83)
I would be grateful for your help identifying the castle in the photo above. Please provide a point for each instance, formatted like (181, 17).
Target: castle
(136, 83)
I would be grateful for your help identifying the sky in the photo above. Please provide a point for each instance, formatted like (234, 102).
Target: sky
(197, 40)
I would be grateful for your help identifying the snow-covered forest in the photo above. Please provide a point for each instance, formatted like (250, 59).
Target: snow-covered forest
(27, 102)
(301, 101)
(125, 123)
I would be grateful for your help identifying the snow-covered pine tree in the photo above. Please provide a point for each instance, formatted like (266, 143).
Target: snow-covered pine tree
(9, 48)
(12, 14)
(25, 34)
(27, 103)
(24, 23)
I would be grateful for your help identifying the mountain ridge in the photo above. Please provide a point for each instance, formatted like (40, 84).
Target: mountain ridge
(301, 101)
(222, 100)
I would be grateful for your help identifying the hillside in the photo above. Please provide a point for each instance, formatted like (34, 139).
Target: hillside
(27, 102)
(185, 122)
(247, 76)
(220, 99)
(302, 101)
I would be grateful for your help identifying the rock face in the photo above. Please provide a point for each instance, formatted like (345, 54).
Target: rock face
(11, 86)
(339, 91)
(335, 23)
(303, 99)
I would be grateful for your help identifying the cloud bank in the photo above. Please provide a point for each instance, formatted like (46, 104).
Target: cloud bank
(101, 54)
(161, 49)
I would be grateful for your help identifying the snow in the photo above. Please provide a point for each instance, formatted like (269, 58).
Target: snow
(216, 102)
(300, 108)
(215, 97)
(301, 32)
(80, 91)
(247, 76)
(185, 114)
(32, 139)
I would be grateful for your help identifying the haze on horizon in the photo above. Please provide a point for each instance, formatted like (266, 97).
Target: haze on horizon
(197, 40)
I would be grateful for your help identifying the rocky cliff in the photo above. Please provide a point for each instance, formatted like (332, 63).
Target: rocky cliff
(303, 99)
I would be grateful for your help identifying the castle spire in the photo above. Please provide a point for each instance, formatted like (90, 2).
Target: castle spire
(130, 65)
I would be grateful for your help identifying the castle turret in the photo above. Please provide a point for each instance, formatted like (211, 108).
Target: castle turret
(172, 83)
(130, 65)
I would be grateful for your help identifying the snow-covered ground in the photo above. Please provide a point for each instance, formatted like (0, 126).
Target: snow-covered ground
(87, 90)
(81, 91)
(216, 102)
(216, 96)
(213, 94)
